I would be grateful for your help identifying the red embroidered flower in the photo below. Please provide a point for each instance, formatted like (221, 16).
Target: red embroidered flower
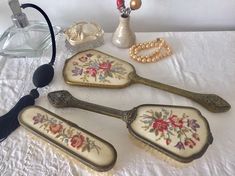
(160, 125)
(189, 142)
(168, 141)
(196, 136)
(176, 122)
(77, 141)
(92, 71)
(55, 128)
(106, 66)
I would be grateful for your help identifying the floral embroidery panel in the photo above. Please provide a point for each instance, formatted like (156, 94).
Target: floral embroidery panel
(181, 131)
(68, 136)
(94, 67)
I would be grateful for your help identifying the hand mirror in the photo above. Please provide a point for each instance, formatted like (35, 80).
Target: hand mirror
(96, 69)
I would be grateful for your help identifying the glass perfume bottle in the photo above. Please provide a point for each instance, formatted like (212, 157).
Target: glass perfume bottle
(24, 38)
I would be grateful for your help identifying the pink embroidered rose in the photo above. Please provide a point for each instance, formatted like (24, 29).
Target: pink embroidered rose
(189, 142)
(77, 141)
(176, 122)
(92, 71)
(56, 128)
(160, 125)
(106, 66)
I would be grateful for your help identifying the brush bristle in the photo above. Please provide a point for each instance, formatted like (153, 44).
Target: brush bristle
(158, 154)
(57, 151)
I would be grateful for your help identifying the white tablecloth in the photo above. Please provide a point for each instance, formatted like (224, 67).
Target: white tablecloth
(202, 62)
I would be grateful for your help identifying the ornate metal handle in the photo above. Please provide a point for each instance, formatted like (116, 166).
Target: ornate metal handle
(63, 98)
(211, 102)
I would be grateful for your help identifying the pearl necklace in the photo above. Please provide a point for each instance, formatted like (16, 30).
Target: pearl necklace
(162, 50)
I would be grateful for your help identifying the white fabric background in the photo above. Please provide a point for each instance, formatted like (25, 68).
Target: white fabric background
(155, 15)
(202, 62)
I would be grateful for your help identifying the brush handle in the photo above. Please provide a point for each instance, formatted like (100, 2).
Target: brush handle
(63, 98)
(211, 102)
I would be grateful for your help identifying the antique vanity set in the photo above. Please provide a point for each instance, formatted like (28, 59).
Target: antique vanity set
(181, 133)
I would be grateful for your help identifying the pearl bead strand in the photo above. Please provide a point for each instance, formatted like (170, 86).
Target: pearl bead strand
(162, 50)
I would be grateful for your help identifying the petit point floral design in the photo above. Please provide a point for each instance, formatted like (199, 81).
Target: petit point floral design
(167, 126)
(98, 67)
(68, 136)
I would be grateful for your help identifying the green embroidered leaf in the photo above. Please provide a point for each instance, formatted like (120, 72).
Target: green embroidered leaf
(57, 136)
(145, 127)
(179, 134)
(97, 149)
(64, 131)
(84, 148)
(158, 139)
(185, 130)
(147, 121)
(165, 111)
(88, 148)
(156, 133)
(148, 117)
(170, 132)
(158, 114)
(106, 74)
(151, 130)
(110, 74)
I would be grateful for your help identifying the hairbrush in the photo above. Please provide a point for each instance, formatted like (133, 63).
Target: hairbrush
(89, 149)
(179, 132)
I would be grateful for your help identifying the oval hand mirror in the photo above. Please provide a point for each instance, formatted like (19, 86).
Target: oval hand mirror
(181, 133)
(96, 69)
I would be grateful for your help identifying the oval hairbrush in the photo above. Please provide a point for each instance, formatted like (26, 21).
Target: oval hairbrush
(70, 138)
(93, 68)
(181, 133)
